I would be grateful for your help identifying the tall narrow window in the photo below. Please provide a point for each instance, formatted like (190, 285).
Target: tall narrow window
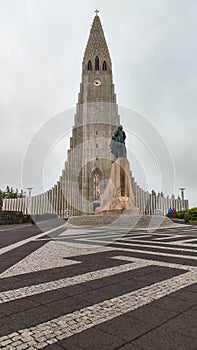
(104, 65)
(89, 65)
(96, 63)
(97, 180)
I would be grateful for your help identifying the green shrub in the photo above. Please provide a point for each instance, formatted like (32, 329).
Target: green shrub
(179, 215)
(192, 213)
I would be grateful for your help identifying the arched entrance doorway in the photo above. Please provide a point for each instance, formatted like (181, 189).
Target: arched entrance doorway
(96, 186)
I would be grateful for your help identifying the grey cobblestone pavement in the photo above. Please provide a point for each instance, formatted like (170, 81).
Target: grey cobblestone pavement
(98, 289)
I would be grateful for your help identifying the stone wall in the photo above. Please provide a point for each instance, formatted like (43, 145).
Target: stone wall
(54, 202)
(13, 217)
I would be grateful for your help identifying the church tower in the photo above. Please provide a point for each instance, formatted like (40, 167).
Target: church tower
(89, 158)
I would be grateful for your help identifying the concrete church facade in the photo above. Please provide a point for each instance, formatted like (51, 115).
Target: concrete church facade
(95, 121)
(89, 158)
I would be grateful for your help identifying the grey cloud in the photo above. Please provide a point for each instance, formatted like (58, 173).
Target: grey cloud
(154, 54)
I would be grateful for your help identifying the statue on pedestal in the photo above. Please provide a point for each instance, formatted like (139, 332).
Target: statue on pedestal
(117, 143)
(118, 195)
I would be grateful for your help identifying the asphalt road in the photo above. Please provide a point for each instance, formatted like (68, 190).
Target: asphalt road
(98, 289)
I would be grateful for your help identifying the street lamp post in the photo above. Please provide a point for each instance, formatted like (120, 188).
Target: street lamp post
(29, 199)
(182, 189)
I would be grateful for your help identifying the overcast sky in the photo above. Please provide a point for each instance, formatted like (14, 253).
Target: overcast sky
(153, 46)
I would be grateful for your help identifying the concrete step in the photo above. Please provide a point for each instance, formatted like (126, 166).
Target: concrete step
(122, 221)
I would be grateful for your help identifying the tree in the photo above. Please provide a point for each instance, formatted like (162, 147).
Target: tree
(10, 193)
(1, 199)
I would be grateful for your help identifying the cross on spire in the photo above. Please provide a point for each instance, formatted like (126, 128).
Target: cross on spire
(96, 11)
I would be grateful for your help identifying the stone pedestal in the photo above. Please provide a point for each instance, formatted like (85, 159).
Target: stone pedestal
(121, 220)
(118, 195)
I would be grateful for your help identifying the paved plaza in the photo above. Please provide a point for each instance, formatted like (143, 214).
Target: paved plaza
(105, 288)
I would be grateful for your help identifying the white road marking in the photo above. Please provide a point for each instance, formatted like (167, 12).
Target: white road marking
(159, 247)
(96, 233)
(169, 237)
(158, 263)
(178, 243)
(13, 228)
(189, 240)
(160, 254)
(140, 236)
(27, 240)
(142, 251)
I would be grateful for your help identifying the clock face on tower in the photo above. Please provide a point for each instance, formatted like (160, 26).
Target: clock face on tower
(97, 83)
